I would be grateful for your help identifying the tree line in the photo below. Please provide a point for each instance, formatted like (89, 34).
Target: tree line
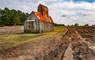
(12, 17)
(76, 24)
(59, 24)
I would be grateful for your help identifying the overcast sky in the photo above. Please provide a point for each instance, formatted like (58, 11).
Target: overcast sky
(62, 11)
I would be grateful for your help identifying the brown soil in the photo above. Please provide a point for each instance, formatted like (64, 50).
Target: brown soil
(68, 45)
(11, 29)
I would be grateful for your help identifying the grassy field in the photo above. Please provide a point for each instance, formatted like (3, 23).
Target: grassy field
(9, 40)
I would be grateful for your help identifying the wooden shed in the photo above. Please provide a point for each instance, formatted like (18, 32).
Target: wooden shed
(39, 21)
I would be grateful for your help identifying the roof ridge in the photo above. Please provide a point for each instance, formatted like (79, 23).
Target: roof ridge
(42, 5)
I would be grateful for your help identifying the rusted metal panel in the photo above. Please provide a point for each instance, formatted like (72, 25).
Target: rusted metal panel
(43, 14)
(43, 10)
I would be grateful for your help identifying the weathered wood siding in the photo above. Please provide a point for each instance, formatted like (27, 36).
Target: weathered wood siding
(36, 23)
(45, 26)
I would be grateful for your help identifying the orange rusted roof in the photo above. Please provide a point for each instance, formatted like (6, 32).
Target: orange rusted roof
(51, 19)
(42, 18)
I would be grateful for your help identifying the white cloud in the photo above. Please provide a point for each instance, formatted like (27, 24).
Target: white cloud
(77, 12)
(82, 12)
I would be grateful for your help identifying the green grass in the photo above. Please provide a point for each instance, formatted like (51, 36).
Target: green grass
(59, 29)
(10, 40)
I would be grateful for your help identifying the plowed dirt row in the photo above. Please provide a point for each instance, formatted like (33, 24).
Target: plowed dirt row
(68, 45)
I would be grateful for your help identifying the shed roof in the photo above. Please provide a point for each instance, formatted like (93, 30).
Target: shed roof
(42, 18)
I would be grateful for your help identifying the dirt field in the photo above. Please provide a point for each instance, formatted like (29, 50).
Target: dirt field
(74, 43)
(11, 29)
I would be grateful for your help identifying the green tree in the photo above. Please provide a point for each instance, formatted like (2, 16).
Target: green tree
(15, 18)
(0, 16)
(76, 24)
(86, 24)
(72, 25)
(12, 17)
(24, 17)
(5, 20)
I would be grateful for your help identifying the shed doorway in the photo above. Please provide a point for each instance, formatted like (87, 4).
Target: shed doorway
(31, 26)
